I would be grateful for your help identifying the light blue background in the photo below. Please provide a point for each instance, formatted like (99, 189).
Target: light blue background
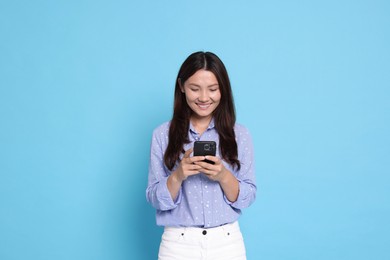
(84, 83)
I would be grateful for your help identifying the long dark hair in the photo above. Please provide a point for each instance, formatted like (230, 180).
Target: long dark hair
(224, 114)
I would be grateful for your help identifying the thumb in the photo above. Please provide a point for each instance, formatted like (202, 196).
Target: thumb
(187, 153)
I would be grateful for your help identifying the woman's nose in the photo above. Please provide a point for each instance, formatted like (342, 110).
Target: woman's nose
(203, 96)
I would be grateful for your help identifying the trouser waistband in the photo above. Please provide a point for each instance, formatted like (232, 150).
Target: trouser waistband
(197, 231)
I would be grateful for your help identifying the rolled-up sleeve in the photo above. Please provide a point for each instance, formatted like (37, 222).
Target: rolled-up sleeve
(246, 174)
(157, 193)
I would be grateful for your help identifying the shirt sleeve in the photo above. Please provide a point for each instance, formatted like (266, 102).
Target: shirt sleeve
(246, 174)
(157, 193)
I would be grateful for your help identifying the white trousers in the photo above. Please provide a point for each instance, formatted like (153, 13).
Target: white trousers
(189, 243)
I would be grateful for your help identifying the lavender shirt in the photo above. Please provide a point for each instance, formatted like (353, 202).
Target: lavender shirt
(201, 201)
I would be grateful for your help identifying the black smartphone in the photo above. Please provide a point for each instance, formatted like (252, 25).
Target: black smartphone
(203, 148)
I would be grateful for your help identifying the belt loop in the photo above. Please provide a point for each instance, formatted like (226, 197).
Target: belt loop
(225, 229)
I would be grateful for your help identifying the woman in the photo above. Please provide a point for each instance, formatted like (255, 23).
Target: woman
(198, 202)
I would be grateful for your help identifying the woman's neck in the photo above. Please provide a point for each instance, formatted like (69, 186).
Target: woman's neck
(200, 124)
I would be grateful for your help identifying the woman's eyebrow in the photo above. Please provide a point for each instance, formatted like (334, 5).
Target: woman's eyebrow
(196, 85)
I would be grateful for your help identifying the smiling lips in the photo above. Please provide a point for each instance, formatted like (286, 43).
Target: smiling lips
(203, 106)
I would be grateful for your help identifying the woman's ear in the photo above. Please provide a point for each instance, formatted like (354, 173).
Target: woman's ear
(180, 85)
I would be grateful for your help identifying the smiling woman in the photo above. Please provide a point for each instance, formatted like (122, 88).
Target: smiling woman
(202, 96)
(199, 202)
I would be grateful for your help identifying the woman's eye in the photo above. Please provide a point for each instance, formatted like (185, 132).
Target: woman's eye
(194, 89)
(213, 90)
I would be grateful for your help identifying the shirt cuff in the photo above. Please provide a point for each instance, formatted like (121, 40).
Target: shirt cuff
(244, 196)
(165, 197)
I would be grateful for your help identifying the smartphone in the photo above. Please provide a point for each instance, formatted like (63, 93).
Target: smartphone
(203, 148)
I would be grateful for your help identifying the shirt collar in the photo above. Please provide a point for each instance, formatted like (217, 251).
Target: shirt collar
(211, 126)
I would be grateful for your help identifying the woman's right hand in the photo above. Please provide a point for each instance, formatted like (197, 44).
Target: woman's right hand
(187, 167)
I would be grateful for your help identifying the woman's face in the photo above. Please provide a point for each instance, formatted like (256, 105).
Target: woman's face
(202, 93)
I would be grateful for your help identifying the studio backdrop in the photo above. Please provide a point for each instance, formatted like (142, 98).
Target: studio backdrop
(84, 83)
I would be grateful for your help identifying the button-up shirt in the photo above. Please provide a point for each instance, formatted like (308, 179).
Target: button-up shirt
(200, 202)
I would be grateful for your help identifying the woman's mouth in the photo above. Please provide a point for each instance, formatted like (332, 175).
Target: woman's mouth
(203, 106)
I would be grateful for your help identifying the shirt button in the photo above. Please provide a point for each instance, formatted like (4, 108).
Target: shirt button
(204, 232)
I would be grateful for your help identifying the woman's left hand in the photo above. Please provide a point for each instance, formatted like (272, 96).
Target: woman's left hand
(216, 171)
